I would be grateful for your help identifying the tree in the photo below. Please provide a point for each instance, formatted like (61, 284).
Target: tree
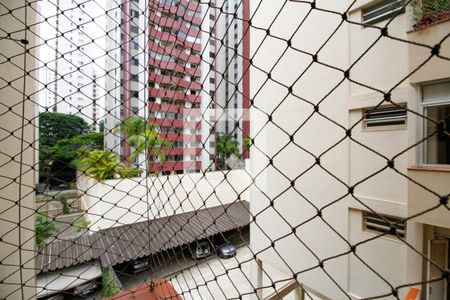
(100, 164)
(57, 163)
(143, 136)
(101, 126)
(45, 228)
(68, 150)
(103, 165)
(226, 146)
(54, 127)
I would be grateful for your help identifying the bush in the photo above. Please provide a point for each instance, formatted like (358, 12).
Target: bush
(65, 205)
(109, 285)
(129, 172)
(45, 228)
(81, 223)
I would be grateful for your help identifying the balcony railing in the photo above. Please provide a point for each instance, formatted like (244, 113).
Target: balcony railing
(428, 12)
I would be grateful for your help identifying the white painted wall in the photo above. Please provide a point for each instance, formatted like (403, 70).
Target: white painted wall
(18, 115)
(295, 203)
(126, 201)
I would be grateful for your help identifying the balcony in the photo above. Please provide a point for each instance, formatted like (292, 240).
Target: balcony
(426, 13)
(436, 181)
(431, 34)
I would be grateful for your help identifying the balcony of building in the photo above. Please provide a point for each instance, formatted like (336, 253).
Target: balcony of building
(430, 22)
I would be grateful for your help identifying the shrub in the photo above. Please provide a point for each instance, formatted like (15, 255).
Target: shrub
(45, 228)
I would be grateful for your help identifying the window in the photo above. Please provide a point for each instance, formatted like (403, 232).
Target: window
(436, 107)
(384, 224)
(382, 11)
(384, 116)
(134, 29)
(212, 54)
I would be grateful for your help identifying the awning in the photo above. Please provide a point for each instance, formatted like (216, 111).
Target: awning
(57, 281)
(127, 242)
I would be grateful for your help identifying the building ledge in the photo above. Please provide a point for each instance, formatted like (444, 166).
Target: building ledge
(430, 168)
(421, 25)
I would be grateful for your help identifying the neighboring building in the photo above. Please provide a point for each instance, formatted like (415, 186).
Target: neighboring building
(126, 63)
(73, 78)
(330, 205)
(188, 97)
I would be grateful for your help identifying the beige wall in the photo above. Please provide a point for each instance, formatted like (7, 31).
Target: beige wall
(383, 67)
(436, 68)
(420, 199)
(17, 176)
(107, 203)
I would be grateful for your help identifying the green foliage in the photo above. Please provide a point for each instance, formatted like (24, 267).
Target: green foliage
(63, 139)
(101, 126)
(142, 136)
(77, 146)
(125, 172)
(58, 162)
(81, 224)
(247, 143)
(45, 228)
(65, 205)
(109, 285)
(226, 146)
(100, 164)
(54, 127)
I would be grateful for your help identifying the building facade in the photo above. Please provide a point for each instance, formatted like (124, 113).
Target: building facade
(364, 152)
(72, 79)
(189, 85)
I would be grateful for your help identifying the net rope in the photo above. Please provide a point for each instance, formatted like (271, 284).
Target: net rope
(174, 200)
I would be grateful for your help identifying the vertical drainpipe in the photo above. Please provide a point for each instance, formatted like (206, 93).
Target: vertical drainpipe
(126, 83)
(246, 74)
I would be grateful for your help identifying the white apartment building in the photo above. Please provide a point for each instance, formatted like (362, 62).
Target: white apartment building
(125, 27)
(72, 63)
(409, 186)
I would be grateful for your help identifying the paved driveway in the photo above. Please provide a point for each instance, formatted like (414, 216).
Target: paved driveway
(210, 279)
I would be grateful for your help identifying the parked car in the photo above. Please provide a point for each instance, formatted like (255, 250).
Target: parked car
(85, 289)
(200, 249)
(226, 250)
(138, 265)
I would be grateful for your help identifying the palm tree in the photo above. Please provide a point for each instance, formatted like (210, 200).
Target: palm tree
(143, 136)
(100, 164)
(226, 146)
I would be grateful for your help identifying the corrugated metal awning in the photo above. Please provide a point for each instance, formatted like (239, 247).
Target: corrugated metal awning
(127, 242)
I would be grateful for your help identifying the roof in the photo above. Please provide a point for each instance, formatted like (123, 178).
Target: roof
(127, 242)
(54, 282)
(156, 290)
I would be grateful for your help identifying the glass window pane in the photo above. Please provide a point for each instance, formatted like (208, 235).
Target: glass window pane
(437, 91)
(437, 149)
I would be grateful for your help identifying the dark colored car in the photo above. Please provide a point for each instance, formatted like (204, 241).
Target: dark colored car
(200, 249)
(137, 266)
(226, 250)
(85, 289)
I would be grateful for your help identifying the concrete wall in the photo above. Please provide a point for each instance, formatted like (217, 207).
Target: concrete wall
(281, 203)
(420, 199)
(17, 242)
(125, 201)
